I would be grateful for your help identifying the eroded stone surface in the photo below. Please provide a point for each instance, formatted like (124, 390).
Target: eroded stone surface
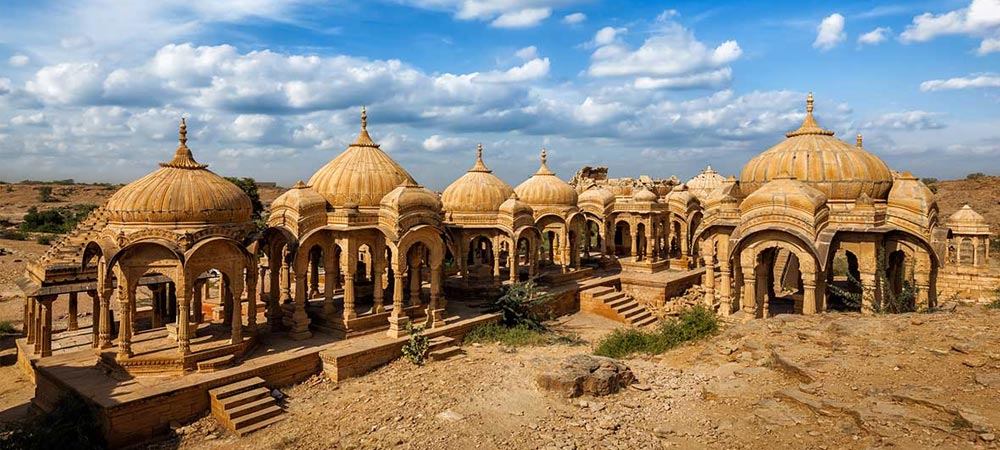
(585, 374)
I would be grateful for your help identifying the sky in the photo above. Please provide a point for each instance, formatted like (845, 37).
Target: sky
(272, 89)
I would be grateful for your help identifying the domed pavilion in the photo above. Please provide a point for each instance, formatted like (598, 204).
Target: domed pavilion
(811, 212)
(557, 215)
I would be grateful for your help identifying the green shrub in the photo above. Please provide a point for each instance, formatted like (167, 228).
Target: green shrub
(13, 235)
(692, 324)
(71, 424)
(56, 220)
(7, 328)
(975, 176)
(995, 304)
(519, 305)
(518, 336)
(885, 300)
(45, 194)
(44, 239)
(415, 349)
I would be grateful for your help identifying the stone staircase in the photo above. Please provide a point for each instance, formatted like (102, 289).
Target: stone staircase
(245, 406)
(625, 307)
(69, 249)
(442, 348)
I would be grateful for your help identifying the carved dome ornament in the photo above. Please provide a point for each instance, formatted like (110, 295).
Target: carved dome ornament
(813, 156)
(362, 174)
(477, 191)
(544, 188)
(181, 192)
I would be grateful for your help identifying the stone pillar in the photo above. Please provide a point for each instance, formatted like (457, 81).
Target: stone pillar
(198, 315)
(329, 281)
(725, 288)
(286, 282)
(922, 280)
(415, 285)
(378, 277)
(749, 299)
(300, 326)
(709, 279)
(104, 330)
(235, 292)
(37, 324)
(126, 297)
(868, 292)
(397, 320)
(634, 251)
(512, 262)
(496, 265)
(29, 322)
(226, 297)
(183, 320)
(159, 304)
(95, 308)
(313, 277)
(46, 335)
(808, 293)
(71, 322)
(436, 313)
(274, 312)
(349, 312)
(650, 245)
(251, 277)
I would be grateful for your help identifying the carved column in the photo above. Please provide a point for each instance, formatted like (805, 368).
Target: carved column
(300, 319)
(397, 320)
(415, 284)
(349, 312)
(329, 281)
(234, 292)
(29, 322)
(198, 315)
(378, 277)
(922, 280)
(868, 292)
(95, 308)
(274, 294)
(37, 324)
(183, 319)
(808, 293)
(71, 322)
(159, 301)
(286, 280)
(748, 301)
(496, 263)
(709, 277)
(512, 258)
(634, 251)
(313, 276)
(725, 287)
(251, 277)
(46, 335)
(226, 297)
(126, 296)
(650, 243)
(437, 298)
(104, 330)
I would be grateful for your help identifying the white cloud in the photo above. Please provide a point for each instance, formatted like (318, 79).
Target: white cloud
(970, 82)
(437, 143)
(524, 18)
(68, 83)
(980, 19)
(988, 46)
(830, 32)
(672, 58)
(607, 35)
(531, 70)
(874, 37)
(575, 18)
(527, 53)
(18, 61)
(906, 120)
(35, 119)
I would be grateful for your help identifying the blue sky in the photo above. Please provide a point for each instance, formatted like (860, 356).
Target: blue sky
(93, 89)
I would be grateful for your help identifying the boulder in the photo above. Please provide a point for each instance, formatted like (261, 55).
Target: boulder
(585, 374)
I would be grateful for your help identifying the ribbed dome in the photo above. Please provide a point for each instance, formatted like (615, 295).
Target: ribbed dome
(544, 188)
(645, 195)
(299, 197)
(478, 190)
(966, 216)
(411, 196)
(362, 174)
(705, 182)
(786, 192)
(180, 191)
(814, 157)
(514, 206)
(598, 195)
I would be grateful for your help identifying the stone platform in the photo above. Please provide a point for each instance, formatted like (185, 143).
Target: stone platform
(657, 288)
(136, 408)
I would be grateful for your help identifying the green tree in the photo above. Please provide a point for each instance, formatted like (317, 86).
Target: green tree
(45, 194)
(249, 186)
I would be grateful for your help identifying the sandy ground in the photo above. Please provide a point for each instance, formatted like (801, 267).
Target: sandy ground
(824, 382)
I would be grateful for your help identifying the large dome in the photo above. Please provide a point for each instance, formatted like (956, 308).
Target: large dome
(478, 190)
(180, 192)
(544, 188)
(705, 182)
(362, 174)
(813, 156)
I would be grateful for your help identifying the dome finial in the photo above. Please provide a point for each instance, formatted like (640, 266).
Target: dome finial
(183, 132)
(809, 125)
(364, 140)
(479, 151)
(809, 103)
(544, 157)
(364, 118)
(183, 158)
(479, 166)
(859, 140)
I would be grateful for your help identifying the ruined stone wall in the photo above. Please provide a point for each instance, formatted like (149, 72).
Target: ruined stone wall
(967, 284)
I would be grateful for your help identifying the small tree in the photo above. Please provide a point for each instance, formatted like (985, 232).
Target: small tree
(249, 186)
(45, 194)
(415, 349)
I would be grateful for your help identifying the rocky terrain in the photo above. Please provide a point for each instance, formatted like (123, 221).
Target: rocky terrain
(830, 381)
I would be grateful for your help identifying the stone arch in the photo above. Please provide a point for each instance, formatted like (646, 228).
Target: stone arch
(759, 255)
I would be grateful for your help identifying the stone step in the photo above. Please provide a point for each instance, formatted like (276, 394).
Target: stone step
(260, 425)
(250, 408)
(600, 290)
(619, 302)
(236, 388)
(258, 416)
(635, 311)
(444, 353)
(440, 342)
(649, 320)
(241, 399)
(211, 365)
